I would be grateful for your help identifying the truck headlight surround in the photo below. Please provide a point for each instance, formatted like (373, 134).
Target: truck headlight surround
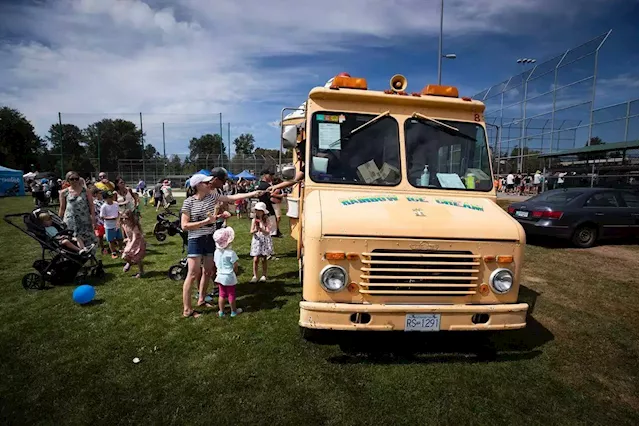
(333, 278)
(501, 280)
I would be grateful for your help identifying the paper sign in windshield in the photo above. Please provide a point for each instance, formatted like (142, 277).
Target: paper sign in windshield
(328, 136)
(450, 180)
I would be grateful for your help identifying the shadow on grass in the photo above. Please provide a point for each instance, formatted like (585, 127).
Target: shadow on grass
(155, 273)
(288, 254)
(552, 242)
(94, 302)
(263, 296)
(450, 347)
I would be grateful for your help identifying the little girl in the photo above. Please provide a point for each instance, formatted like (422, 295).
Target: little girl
(226, 261)
(261, 243)
(135, 249)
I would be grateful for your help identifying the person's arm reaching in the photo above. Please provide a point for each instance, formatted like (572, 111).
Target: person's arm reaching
(298, 178)
(228, 198)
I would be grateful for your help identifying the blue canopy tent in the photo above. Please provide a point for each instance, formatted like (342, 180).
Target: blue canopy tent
(245, 175)
(231, 175)
(11, 182)
(204, 172)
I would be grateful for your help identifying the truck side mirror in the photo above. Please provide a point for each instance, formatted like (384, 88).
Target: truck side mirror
(289, 135)
(288, 172)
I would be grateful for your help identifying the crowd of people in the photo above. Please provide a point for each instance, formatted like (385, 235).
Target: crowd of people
(520, 184)
(104, 215)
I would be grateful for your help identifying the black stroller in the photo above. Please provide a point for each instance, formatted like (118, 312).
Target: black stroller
(178, 272)
(167, 223)
(57, 265)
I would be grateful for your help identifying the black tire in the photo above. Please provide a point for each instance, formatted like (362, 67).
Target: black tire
(80, 279)
(585, 236)
(177, 273)
(33, 281)
(99, 272)
(318, 337)
(161, 236)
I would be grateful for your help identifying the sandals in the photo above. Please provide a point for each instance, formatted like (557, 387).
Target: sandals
(193, 313)
(205, 305)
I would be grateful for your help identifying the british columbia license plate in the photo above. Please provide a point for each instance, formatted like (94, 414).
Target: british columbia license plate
(422, 322)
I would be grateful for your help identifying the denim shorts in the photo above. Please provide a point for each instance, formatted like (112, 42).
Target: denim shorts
(201, 246)
(113, 234)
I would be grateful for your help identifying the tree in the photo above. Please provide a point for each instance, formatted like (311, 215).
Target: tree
(20, 147)
(115, 139)
(150, 152)
(273, 153)
(205, 145)
(72, 148)
(175, 165)
(599, 155)
(244, 144)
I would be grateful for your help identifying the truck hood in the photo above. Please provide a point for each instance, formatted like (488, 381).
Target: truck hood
(350, 213)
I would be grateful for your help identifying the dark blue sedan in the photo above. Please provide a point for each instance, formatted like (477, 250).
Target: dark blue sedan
(581, 215)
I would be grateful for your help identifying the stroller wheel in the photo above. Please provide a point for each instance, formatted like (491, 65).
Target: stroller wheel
(177, 273)
(161, 237)
(33, 281)
(99, 272)
(80, 279)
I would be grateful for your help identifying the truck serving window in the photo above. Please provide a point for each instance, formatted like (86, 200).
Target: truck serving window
(368, 156)
(443, 154)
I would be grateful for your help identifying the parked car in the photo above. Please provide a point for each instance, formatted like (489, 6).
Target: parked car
(581, 215)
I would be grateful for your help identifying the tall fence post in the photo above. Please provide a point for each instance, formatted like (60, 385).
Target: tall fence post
(229, 143)
(164, 154)
(142, 140)
(61, 143)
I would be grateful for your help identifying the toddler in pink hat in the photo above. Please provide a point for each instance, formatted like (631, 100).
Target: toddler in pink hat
(226, 261)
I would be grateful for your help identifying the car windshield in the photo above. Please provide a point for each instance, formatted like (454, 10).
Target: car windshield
(443, 154)
(369, 156)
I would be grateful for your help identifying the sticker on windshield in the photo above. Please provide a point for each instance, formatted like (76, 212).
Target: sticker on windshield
(329, 136)
(329, 118)
(368, 199)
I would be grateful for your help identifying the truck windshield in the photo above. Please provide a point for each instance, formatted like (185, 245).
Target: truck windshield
(370, 156)
(444, 154)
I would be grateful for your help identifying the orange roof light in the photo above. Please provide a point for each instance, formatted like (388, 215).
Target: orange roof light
(342, 81)
(435, 90)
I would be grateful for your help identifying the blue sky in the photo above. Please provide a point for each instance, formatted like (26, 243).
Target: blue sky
(184, 61)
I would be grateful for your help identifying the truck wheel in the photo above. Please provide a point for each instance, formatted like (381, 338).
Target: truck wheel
(318, 337)
(585, 236)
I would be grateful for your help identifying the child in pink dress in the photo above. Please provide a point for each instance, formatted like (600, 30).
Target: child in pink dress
(135, 249)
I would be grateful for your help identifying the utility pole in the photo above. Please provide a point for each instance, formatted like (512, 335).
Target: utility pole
(142, 141)
(229, 143)
(164, 153)
(221, 138)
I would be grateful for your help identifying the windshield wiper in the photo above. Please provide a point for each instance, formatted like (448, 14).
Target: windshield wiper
(439, 124)
(359, 128)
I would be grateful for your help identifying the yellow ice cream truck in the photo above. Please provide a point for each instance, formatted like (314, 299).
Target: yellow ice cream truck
(395, 212)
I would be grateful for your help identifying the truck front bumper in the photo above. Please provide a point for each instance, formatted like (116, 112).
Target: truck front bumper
(344, 316)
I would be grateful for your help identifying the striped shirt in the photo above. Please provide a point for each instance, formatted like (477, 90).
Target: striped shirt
(198, 210)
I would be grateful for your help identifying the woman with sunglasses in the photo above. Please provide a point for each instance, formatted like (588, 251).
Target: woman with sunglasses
(198, 217)
(76, 210)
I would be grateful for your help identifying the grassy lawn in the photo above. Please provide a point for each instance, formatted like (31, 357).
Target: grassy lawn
(60, 363)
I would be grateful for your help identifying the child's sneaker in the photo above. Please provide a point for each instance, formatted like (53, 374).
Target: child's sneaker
(221, 314)
(254, 279)
(263, 279)
(114, 255)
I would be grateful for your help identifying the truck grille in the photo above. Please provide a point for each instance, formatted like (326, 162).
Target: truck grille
(419, 273)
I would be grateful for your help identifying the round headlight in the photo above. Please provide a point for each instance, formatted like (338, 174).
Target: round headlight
(501, 280)
(333, 278)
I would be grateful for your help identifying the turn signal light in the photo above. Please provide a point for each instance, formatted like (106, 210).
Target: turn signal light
(488, 259)
(435, 90)
(353, 256)
(344, 82)
(334, 255)
(352, 288)
(504, 259)
(511, 210)
(484, 289)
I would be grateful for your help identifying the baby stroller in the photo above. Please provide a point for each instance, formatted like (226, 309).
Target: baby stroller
(167, 223)
(57, 265)
(178, 272)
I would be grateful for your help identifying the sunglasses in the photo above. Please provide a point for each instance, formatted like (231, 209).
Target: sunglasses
(73, 179)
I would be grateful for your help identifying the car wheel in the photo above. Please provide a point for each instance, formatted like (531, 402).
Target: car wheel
(585, 236)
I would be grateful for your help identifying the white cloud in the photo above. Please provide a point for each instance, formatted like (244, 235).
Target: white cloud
(198, 57)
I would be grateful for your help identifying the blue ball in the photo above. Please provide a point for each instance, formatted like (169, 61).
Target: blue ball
(84, 294)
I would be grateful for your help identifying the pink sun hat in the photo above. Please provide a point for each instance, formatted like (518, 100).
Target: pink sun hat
(223, 237)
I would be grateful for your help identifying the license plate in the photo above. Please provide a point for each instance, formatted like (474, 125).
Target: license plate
(522, 214)
(422, 322)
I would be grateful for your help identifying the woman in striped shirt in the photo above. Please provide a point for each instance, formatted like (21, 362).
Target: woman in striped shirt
(197, 217)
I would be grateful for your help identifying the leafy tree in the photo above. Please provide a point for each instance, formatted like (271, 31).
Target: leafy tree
(175, 165)
(73, 143)
(244, 144)
(205, 145)
(116, 139)
(20, 147)
(150, 152)
(596, 156)
(273, 153)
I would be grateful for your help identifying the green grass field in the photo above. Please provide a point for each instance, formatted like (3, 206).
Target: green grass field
(61, 363)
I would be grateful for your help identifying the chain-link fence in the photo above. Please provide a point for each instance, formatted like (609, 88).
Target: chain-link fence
(153, 170)
(550, 107)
